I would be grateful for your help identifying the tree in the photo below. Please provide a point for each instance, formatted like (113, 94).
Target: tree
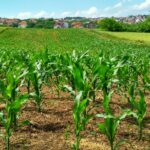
(15, 24)
(30, 24)
(111, 24)
(49, 23)
(145, 26)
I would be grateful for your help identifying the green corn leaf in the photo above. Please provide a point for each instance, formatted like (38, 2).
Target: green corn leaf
(82, 105)
(102, 128)
(142, 104)
(25, 123)
(106, 102)
(16, 105)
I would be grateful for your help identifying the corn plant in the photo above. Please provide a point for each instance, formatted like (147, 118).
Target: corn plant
(56, 67)
(131, 99)
(37, 75)
(80, 119)
(139, 114)
(106, 73)
(10, 89)
(7, 117)
(111, 123)
(80, 92)
(26, 60)
(80, 115)
(14, 101)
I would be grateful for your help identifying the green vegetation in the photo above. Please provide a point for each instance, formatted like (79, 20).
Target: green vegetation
(63, 40)
(2, 29)
(111, 123)
(130, 36)
(41, 23)
(110, 24)
(12, 100)
(87, 64)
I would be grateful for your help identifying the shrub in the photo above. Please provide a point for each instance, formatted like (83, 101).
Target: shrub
(111, 24)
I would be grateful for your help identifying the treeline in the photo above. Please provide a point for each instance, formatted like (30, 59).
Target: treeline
(41, 23)
(110, 24)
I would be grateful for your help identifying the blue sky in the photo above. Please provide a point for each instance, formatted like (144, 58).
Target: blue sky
(62, 8)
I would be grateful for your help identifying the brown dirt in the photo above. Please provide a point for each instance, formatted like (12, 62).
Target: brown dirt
(2, 106)
(49, 127)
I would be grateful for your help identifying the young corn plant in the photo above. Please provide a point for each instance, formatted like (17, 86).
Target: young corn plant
(80, 120)
(56, 70)
(37, 77)
(80, 92)
(139, 107)
(10, 88)
(131, 99)
(106, 73)
(7, 117)
(140, 113)
(26, 60)
(111, 123)
(13, 101)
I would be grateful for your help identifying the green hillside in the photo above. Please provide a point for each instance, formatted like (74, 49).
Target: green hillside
(64, 40)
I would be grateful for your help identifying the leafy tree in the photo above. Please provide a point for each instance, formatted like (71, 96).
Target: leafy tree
(41, 23)
(111, 24)
(14, 25)
(144, 26)
(30, 24)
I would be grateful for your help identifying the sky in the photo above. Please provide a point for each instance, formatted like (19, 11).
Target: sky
(24, 9)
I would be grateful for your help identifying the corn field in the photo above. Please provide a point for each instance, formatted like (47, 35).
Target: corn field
(94, 81)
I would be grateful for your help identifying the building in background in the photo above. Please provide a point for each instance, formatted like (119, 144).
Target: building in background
(22, 24)
(77, 25)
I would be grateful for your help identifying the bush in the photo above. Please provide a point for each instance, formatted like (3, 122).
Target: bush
(111, 24)
(41, 23)
(145, 26)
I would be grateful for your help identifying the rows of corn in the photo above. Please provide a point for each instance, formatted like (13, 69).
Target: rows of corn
(84, 75)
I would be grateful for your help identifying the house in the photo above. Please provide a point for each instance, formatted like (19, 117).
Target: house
(66, 25)
(33, 20)
(10, 22)
(2, 21)
(90, 25)
(61, 24)
(58, 25)
(77, 25)
(140, 18)
(23, 24)
(131, 21)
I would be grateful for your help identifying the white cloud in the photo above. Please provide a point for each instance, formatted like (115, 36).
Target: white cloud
(66, 13)
(24, 15)
(91, 12)
(41, 14)
(142, 6)
(118, 5)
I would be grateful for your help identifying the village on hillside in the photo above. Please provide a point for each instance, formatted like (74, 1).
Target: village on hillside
(68, 22)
